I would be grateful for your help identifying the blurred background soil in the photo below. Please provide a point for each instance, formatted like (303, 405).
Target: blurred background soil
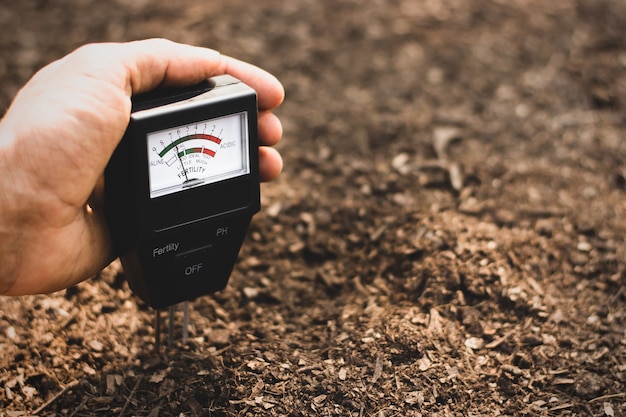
(447, 238)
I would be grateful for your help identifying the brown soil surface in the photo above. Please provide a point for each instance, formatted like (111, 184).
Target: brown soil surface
(447, 238)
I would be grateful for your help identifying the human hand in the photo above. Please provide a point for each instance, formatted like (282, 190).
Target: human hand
(56, 140)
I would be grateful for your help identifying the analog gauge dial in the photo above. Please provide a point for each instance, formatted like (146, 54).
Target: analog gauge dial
(197, 154)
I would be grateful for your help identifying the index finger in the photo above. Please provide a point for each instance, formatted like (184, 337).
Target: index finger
(270, 91)
(155, 62)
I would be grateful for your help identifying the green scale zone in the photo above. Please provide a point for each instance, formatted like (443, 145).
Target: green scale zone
(180, 142)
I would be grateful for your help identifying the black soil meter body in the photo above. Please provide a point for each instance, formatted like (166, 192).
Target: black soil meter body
(182, 187)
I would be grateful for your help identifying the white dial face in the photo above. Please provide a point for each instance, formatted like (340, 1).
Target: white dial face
(198, 154)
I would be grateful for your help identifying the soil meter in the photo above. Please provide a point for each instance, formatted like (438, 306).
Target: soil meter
(182, 187)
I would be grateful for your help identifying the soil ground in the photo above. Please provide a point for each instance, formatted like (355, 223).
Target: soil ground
(447, 238)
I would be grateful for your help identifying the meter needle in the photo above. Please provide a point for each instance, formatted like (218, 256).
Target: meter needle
(181, 164)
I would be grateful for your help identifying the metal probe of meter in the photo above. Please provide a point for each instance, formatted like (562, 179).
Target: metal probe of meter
(181, 189)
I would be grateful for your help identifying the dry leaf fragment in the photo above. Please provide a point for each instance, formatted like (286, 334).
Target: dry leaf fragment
(158, 377)
(424, 363)
(255, 364)
(442, 137)
(110, 384)
(319, 399)
(475, 343)
(415, 397)
(96, 345)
